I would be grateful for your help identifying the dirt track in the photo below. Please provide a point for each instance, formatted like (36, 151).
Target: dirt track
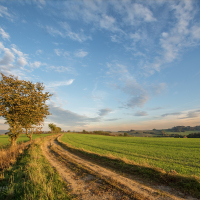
(89, 181)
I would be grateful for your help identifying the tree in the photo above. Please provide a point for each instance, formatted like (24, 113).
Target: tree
(54, 128)
(22, 104)
(35, 108)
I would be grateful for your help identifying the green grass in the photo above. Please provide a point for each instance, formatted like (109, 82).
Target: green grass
(22, 138)
(32, 177)
(171, 154)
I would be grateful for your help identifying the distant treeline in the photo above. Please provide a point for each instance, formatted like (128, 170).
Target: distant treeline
(97, 132)
(184, 128)
(191, 135)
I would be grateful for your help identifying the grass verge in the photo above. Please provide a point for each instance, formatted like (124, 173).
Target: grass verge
(32, 177)
(9, 156)
(188, 185)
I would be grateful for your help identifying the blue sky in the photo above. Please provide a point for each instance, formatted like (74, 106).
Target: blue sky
(110, 65)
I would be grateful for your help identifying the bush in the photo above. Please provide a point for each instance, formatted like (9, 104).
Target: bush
(125, 134)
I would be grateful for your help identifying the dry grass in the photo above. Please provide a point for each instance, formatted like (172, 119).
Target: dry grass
(8, 156)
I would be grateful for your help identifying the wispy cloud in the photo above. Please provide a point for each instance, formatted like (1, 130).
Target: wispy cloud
(70, 70)
(80, 53)
(38, 52)
(4, 12)
(66, 32)
(184, 33)
(174, 113)
(4, 35)
(59, 83)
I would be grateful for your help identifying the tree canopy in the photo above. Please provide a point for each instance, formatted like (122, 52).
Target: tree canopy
(54, 128)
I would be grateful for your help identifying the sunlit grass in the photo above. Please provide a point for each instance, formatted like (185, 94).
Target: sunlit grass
(22, 138)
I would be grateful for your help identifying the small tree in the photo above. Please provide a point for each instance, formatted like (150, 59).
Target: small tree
(52, 127)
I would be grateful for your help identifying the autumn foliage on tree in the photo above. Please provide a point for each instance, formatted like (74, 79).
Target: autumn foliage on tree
(22, 104)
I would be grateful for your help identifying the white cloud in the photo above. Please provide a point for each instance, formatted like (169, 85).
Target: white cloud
(35, 64)
(59, 83)
(22, 58)
(22, 61)
(133, 12)
(8, 57)
(195, 30)
(1, 46)
(4, 12)
(39, 51)
(107, 22)
(53, 31)
(81, 53)
(80, 37)
(58, 52)
(67, 32)
(62, 69)
(4, 35)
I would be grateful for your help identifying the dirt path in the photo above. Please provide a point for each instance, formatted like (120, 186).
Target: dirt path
(89, 181)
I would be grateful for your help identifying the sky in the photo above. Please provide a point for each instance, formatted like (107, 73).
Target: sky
(110, 65)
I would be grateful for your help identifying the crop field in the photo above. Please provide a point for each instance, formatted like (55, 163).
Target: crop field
(179, 154)
(23, 137)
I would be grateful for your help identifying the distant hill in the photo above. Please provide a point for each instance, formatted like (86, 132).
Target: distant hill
(3, 131)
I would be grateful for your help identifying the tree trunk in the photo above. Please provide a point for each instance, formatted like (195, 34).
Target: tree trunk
(13, 141)
(29, 135)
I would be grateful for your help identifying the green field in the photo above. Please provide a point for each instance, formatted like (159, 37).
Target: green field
(23, 137)
(179, 154)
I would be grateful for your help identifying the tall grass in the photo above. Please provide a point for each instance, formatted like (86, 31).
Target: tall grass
(32, 177)
(22, 138)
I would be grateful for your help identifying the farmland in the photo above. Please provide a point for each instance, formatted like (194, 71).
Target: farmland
(171, 154)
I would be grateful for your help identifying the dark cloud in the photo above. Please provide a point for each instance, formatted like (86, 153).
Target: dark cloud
(104, 112)
(114, 119)
(167, 114)
(141, 113)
